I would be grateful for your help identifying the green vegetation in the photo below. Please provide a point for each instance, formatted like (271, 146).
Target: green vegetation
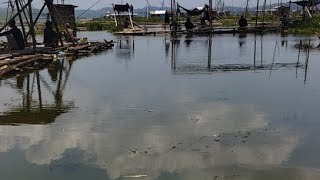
(100, 25)
(298, 26)
(310, 26)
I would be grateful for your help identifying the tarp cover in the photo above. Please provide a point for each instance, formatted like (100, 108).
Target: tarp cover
(195, 11)
(122, 8)
(307, 3)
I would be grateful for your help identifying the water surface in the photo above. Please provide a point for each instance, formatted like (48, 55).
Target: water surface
(151, 108)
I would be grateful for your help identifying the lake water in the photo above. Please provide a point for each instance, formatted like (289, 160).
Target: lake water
(150, 108)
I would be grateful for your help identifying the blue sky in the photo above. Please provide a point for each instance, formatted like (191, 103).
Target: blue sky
(84, 4)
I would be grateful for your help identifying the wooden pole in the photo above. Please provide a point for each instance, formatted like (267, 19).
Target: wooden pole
(32, 32)
(255, 50)
(210, 14)
(247, 6)
(130, 17)
(209, 51)
(21, 21)
(264, 11)
(257, 13)
(39, 89)
(24, 13)
(50, 8)
(37, 18)
(17, 14)
(63, 24)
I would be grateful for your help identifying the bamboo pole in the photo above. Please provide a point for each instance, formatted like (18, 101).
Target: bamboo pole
(17, 14)
(21, 21)
(24, 13)
(307, 62)
(63, 24)
(32, 32)
(247, 6)
(37, 18)
(257, 13)
(210, 14)
(50, 8)
(210, 51)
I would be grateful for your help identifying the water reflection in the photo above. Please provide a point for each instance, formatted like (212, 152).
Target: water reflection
(149, 123)
(34, 107)
(242, 39)
(125, 48)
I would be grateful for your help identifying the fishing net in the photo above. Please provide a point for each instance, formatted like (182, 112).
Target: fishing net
(193, 12)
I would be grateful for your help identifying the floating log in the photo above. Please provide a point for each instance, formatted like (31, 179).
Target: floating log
(18, 60)
(18, 65)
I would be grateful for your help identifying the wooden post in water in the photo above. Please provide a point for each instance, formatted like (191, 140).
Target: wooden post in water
(255, 50)
(261, 49)
(39, 89)
(307, 62)
(209, 51)
(300, 46)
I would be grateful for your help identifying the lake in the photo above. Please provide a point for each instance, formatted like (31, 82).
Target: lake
(162, 108)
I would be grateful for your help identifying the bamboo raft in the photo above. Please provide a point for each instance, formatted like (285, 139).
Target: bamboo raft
(25, 59)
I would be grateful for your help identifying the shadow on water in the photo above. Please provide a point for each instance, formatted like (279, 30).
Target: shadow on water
(259, 61)
(125, 48)
(34, 107)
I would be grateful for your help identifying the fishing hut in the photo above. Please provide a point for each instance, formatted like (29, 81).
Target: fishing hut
(308, 7)
(63, 20)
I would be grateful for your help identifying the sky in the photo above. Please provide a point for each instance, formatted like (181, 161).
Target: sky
(85, 4)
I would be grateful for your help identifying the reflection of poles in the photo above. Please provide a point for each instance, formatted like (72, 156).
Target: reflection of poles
(261, 49)
(307, 62)
(28, 100)
(255, 50)
(209, 51)
(39, 89)
(274, 57)
(300, 45)
(58, 94)
(173, 54)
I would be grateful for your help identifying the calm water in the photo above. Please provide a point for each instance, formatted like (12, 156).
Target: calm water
(151, 109)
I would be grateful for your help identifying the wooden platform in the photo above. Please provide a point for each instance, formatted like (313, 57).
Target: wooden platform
(11, 61)
(215, 30)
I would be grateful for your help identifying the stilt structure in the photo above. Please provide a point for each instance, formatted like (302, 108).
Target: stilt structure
(33, 56)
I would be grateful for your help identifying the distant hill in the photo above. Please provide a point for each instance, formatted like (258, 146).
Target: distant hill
(140, 11)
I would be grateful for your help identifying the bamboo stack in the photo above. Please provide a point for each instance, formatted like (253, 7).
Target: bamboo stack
(17, 61)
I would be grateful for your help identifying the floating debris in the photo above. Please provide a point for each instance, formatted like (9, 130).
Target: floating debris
(135, 176)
